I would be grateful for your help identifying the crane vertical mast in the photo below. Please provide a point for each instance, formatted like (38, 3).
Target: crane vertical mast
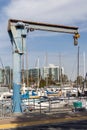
(18, 30)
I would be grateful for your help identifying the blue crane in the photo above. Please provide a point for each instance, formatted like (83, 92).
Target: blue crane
(18, 30)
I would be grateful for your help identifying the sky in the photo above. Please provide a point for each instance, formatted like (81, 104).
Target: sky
(58, 47)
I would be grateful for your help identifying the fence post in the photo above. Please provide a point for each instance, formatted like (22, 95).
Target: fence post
(49, 105)
(40, 106)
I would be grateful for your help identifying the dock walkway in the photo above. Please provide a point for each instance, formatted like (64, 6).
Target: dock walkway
(34, 119)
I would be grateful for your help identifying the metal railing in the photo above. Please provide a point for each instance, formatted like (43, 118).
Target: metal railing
(49, 105)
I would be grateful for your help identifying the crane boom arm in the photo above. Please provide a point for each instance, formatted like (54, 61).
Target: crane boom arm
(44, 26)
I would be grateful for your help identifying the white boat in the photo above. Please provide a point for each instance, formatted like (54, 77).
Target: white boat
(5, 99)
(5, 95)
(44, 103)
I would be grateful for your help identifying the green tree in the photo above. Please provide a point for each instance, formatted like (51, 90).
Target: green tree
(63, 78)
(79, 80)
(42, 83)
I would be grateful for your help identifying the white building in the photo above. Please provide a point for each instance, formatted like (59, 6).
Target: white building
(53, 71)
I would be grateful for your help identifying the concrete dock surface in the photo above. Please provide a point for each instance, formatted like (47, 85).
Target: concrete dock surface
(34, 119)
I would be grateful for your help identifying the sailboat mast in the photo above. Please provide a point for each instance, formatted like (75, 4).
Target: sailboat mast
(23, 69)
(78, 63)
(60, 70)
(27, 72)
(38, 73)
(47, 69)
(84, 63)
(78, 66)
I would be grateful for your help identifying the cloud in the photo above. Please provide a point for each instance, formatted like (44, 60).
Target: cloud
(68, 12)
(52, 11)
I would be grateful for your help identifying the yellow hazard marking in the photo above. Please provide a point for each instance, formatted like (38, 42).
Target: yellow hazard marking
(43, 122)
